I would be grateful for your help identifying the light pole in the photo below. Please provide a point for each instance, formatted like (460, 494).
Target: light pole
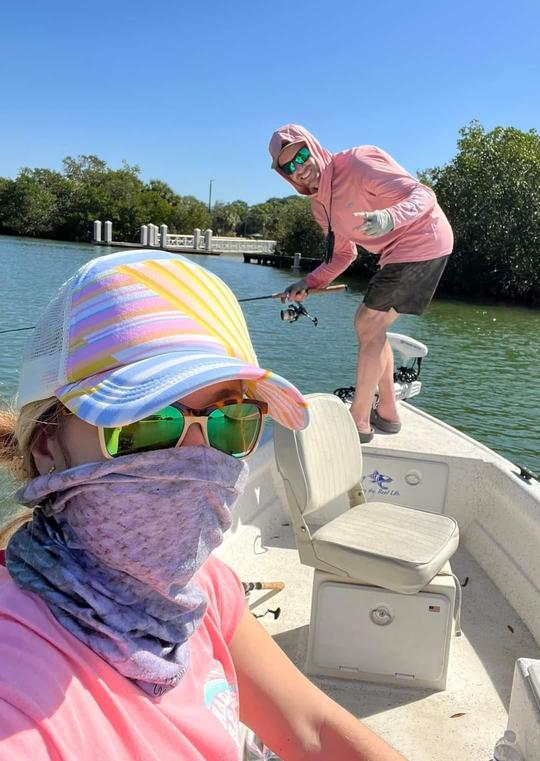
(210, 196)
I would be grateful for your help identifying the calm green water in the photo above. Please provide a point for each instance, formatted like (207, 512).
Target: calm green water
(481, 374)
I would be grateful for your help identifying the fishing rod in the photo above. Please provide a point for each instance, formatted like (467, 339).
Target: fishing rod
(249, 586)
(290, 314)
(330, 289)
(294, 311)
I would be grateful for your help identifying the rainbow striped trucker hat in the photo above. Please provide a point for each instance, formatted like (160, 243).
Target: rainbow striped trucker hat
(132, 332)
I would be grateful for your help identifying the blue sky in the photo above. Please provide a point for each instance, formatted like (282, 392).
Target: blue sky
(191, 91)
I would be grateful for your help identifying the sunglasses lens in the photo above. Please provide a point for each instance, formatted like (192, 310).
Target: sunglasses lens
(302, 156)
(158, 431)
(234, 429)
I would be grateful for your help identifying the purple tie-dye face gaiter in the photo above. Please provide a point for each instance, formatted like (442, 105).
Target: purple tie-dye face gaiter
(113, 546)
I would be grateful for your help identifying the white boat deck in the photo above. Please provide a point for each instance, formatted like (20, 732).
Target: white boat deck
(463, 722)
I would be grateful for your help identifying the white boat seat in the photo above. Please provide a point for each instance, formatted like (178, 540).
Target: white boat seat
(336, 530)
(388, 545)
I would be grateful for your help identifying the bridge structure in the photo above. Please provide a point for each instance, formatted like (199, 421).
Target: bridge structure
(152, 236)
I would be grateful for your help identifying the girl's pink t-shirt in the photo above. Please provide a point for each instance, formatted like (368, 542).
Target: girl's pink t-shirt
(59, 701)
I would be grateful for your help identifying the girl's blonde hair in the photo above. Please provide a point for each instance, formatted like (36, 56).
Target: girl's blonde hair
(18, 434)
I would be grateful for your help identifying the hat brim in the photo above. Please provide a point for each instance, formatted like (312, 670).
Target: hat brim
(275, 161)
(129, 393)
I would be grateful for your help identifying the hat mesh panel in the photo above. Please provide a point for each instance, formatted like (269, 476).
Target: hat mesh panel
(43, 365)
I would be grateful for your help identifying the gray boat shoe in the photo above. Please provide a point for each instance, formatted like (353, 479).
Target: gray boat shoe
(366, 437)
(388, 426)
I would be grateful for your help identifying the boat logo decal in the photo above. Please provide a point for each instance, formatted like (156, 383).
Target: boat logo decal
(379, 484)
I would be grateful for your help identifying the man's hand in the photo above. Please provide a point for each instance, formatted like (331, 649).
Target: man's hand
(295, 292)
(375, 223)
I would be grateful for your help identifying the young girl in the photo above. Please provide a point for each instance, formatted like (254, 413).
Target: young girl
(121, 636)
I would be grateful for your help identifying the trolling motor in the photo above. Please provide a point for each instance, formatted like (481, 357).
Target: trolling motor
(294, 311)
(406, 383)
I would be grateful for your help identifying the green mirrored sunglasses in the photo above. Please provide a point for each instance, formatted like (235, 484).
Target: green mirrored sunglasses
(232, 427)
(301, 157)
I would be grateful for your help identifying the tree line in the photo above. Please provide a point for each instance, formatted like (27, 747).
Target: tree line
(63, 205)
(490, 192)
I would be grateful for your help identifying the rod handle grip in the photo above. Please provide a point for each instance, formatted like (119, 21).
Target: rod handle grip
(328, 289)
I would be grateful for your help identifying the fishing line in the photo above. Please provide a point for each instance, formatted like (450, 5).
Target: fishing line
(16, 330)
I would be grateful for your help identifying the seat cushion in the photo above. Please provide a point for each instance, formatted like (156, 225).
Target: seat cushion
(388, 545)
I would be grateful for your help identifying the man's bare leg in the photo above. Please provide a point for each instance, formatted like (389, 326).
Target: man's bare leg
(387, 407)
(373, 362)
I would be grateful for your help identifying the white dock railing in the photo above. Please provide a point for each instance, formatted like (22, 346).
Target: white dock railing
(180, 241)
(214, 243)
(154, 236)
(241, 245)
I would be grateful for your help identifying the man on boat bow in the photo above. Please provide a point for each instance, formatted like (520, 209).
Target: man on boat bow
(362, 196)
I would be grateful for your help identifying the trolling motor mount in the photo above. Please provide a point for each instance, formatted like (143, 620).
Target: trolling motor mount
(406, 377)
(294, 311)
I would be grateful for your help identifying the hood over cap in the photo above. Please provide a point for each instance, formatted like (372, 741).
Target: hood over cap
(291, 134)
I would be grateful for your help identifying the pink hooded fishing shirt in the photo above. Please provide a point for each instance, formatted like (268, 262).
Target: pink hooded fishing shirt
(366, 178)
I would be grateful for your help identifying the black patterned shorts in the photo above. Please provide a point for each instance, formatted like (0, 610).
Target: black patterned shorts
(407, 287)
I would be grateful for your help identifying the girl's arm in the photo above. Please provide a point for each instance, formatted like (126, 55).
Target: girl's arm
(292, 716)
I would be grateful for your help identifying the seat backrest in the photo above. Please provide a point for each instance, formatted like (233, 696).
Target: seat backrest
(322, 464)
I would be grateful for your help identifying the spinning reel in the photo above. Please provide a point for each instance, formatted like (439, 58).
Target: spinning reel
(294, 311)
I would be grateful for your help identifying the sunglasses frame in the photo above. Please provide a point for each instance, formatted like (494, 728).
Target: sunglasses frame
(290, 167)
(191, 416)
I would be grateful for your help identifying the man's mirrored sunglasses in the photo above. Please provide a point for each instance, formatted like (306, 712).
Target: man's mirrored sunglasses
(301, 157)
